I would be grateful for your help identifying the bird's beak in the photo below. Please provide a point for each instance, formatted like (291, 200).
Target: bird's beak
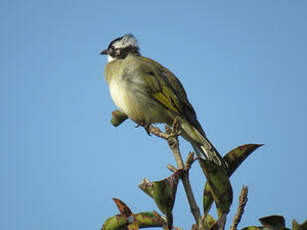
(104, 52)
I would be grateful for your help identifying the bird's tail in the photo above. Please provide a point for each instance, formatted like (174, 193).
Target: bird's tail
(209, 152)
(201, 145)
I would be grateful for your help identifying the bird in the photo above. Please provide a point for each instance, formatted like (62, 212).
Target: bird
(148, 93)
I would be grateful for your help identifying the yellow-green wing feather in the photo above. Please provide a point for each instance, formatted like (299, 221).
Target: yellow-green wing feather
(170, 85)
(160, 91)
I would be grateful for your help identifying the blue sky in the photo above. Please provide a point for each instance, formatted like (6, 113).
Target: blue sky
(243, 65)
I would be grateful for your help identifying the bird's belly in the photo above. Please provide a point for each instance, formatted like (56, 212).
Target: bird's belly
(138, 106)
(119, 97)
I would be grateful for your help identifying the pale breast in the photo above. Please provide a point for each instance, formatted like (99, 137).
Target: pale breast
(137, 106)
(119, 96)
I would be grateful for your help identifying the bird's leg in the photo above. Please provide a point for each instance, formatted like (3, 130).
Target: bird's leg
(139, 123)
(147, 126)
(175, 130)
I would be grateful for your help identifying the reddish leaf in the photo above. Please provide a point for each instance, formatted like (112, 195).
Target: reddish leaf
(123, 208)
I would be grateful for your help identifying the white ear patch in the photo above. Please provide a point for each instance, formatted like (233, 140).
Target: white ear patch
(109, 57)
(126, 41)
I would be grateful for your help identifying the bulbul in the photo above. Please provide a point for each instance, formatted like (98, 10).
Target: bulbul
(148, 93)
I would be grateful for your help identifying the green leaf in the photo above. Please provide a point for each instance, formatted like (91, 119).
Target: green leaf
(207, 199)
(115, 223)
(297, 226)
(220, 186)
(234, 158)
(143, 219)
(164, 193)
(304, 225)
(256, 228)
(133, 226)
(210, 223)
(275, 222)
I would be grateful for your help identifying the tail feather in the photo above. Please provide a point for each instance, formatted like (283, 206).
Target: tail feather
(201, 145)
(209, 153)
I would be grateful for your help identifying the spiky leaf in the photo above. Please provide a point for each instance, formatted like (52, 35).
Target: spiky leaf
(133, 226)
(123, 208)
(304, 225)
(210, 223)
(163, 192)
(233, 158)
(297, 226)
(236, 156)
(143, 219)
(220, 186)
(275, 222)
(256, 228)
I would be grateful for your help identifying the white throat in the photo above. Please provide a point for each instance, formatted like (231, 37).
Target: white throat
(110, 58)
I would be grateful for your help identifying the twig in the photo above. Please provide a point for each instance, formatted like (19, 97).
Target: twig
(172, 168)
(242, 202)
(156, 131)
(173, 142)
(188, 190)
(189, 161)
(176, 228)
(171, 136)
(221, 222)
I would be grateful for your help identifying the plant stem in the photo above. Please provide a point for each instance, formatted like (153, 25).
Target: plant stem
(242, 203)
(173, 143)
(171, 136)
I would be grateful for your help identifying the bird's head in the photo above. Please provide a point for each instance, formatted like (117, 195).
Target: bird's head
(120, 47)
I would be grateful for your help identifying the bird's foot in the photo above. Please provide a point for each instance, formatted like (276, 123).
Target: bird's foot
(175, 129)
(147, 126)
(140, 123)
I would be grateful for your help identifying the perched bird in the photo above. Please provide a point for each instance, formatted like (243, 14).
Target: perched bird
(149, 93)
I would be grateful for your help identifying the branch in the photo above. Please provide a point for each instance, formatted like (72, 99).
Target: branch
(171, 136)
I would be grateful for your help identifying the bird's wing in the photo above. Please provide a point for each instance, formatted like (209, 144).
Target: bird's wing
(168, 90)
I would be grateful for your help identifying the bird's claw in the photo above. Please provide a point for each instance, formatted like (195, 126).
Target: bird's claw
(147, 127)
(174, 134)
